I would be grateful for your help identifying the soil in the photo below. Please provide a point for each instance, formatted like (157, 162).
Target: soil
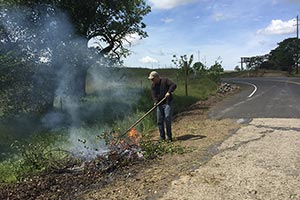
(148, 179)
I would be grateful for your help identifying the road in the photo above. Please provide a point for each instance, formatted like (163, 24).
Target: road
(261, 97)
(261, 160)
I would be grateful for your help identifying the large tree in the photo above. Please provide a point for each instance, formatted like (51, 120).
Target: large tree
(111, 21)
(285, 56)
(56, 48)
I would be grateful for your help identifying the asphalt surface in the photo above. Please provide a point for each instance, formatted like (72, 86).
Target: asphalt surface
(260, 160)
(270, 97)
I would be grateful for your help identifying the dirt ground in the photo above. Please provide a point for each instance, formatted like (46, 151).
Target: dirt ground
(193, 130)
(260, 161)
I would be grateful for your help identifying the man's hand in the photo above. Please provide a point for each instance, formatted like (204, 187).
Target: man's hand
(167, 94)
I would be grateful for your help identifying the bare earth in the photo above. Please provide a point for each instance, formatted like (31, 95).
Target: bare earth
(230, 159)
(260, 161)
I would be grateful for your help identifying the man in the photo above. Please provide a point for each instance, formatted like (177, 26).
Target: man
(163, 87)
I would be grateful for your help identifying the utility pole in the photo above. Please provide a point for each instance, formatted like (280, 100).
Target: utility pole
(297, 27)
(297, 49)
(185, 65)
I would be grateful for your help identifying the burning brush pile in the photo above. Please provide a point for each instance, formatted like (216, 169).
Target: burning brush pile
(129, 147)
(74, 176)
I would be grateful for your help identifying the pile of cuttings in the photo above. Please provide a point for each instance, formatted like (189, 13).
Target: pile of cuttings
(68, 182)
(226, 87)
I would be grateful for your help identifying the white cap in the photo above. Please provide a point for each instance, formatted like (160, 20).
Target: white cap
(152, 75)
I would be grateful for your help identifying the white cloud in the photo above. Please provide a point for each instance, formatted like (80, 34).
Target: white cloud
(168, 4)
(218, 16)
(148, 59)
(279, 27)
(167, 20)
(132, 39)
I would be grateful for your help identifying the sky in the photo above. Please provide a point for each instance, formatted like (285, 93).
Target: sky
(212, 30)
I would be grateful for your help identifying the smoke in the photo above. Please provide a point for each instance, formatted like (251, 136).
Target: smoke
(49, 41)
(85, 143)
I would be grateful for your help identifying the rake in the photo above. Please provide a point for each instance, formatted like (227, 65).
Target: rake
(141, 118)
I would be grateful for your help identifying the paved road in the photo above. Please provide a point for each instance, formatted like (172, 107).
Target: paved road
(261, 97)
(261, 160)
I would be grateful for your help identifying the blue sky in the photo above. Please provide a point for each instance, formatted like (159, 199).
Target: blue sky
(212, 29)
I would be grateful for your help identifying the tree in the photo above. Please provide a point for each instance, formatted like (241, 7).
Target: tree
(19, 92)
(180, 62)
(199, 67)
(110, 21)
(30, 83)
(215, 70)
(267, 65)
(185, 65)
(217, 67)
(237, 68)
(285, 56)
(48, 41)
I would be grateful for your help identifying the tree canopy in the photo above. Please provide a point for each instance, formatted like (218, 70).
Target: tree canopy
(47, 39)
(284, 57)
(111, 21)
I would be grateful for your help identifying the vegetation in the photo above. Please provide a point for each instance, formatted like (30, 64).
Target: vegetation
(47, 151)
(285, 57)
(48, 39)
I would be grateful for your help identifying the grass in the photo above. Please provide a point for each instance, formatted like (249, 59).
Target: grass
(33, 158)
(257, 73)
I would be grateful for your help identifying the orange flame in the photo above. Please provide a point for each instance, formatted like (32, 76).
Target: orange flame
(134, 135)
(132, 132)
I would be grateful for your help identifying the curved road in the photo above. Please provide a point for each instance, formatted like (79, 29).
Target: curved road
(261, 159)
(261, 98)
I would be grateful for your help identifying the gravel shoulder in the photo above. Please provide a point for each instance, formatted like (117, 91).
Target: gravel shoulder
(260, 161)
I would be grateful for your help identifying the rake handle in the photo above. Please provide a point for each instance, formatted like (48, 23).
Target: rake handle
(147, 113)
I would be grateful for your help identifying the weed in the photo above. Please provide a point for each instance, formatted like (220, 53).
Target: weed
(34, 157)
(294, 196)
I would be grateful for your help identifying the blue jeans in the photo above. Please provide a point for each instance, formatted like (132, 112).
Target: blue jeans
(164, 117)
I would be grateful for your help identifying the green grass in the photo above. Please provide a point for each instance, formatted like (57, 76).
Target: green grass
(257, 73)
(7, 172)
(32, 157)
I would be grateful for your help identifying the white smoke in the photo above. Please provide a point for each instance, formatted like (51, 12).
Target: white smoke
(47, 45)
(86, 144)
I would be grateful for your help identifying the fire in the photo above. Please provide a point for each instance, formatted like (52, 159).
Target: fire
(132, 132)
(134, 135)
